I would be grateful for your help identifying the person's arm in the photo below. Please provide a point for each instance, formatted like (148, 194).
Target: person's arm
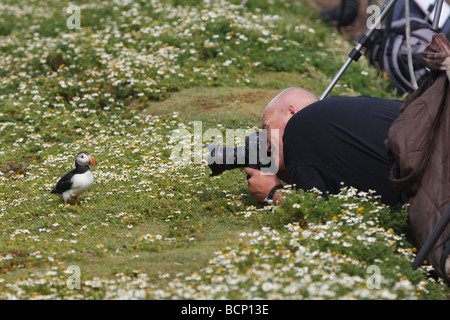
(260, 185)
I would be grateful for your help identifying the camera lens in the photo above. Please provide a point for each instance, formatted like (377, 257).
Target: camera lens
(222, 158)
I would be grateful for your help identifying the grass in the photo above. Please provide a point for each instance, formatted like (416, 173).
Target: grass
(150, 228)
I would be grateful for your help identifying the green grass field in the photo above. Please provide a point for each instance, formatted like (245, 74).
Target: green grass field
(121, 87)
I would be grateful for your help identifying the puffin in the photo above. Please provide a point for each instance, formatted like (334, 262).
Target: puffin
(77, 181)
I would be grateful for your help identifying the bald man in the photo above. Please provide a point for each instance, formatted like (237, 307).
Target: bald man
(324, 144)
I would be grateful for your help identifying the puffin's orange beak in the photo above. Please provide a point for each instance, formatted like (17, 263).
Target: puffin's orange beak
(92, 162)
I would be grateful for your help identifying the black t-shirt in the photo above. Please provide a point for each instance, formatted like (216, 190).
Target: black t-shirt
(341, 140)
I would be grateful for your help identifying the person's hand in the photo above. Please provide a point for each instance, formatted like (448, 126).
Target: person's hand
(260, 184)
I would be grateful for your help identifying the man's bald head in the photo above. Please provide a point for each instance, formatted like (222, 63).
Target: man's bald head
(289, 102)
(277, 114)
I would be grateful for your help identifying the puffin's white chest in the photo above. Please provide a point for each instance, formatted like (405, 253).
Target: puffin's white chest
(80, 183)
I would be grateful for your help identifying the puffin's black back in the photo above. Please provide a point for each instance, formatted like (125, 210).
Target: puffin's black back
(65, 183)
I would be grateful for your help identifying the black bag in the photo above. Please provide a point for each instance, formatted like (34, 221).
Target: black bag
(388, 50)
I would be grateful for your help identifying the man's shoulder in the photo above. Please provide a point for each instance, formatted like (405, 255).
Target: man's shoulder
(343, 111)
(338, 106)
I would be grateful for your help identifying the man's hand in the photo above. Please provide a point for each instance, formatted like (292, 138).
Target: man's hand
(260, 184)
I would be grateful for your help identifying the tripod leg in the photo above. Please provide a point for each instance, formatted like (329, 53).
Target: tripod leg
(437, 15)
(432, 238)
(355, 54)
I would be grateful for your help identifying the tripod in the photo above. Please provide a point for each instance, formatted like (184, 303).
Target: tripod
(364, 41)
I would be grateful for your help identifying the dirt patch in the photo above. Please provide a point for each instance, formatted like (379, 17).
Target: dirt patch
(205, 103)
(136, 104)
(11, 168)
(255, 96)
(194, 101)
(19, 258)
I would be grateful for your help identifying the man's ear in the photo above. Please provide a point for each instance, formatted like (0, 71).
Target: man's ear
(292, 109)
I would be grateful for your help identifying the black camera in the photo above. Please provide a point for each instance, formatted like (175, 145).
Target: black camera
(253, 154)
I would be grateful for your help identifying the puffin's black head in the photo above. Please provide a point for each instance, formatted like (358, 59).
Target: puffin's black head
(84, 159)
